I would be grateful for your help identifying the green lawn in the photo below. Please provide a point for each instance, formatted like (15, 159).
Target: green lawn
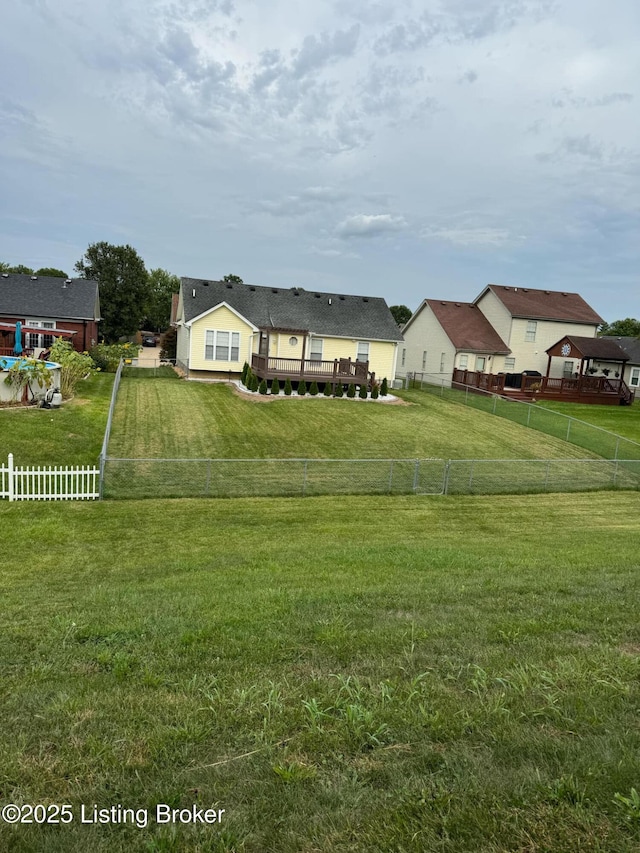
(161, 419)
(362, 674)
(623, 420)
(70, 435)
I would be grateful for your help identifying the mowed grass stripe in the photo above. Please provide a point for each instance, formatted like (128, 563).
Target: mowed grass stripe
(160, 419)
(406, 674)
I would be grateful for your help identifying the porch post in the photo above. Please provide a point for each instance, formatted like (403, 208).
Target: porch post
(548, 366)
(304, 350)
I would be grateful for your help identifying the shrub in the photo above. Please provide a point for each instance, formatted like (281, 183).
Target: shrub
(262, 388)
(375, 392)
(245, 370)
(339, 390)
(363, 393)
(28, 373)
(327, 389)
(287, 387)
(247, 379)
(107, 356)
(313, 389)
(302, 388)
(275, 386)
(384, 388)
(74, 365)
(255, 384)
(351, 390)
(169, 344)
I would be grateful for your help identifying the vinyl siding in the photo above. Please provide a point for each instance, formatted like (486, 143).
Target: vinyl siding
(224, 320)
(531, 355)
(426, 333)
(496, 313)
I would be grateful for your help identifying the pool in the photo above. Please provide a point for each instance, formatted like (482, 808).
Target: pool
(8, 393)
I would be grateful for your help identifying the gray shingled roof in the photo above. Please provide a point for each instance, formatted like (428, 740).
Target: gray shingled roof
(331, 314)
(49, 296)
(629, 344)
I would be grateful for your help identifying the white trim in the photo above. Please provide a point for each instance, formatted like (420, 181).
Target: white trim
(223, 305)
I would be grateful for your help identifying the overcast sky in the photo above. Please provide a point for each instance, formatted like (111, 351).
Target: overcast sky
(401, 149)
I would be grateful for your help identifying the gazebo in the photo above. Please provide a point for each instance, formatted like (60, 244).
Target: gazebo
(574, 348)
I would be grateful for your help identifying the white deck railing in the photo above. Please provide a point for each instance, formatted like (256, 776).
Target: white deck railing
(57, 483)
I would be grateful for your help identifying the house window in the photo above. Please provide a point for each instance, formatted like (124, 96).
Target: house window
(567, 370)
(509, 364)
(35, 341)
(404, 355)
(442, 358)
(530, 334)
(363, 351)
(464, 362)
(293, 341)
(315, 351)
(424, 359)
(480, 363)
(222, 346)
(635, 377)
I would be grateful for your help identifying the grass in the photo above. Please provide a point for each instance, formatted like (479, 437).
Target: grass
(622, 420)
(373, 674)
(70, 435)
(160, 419)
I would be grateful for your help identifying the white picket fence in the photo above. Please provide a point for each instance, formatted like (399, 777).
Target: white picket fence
(57, 483)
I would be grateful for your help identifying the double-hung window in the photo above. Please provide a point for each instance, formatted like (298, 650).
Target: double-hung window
(530, 334)
(315, 349)
(464, 362)
(635, 377)
(509, 364)
(362, 353)
(222, 346)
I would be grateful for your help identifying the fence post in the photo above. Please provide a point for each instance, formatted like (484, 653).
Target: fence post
(416, 472)
(528, 413)
(466, 395)
(304, 478)
(208, 483)
(546, 476)
(495, 403)
(11, 484)
(445, 478)
(471, 477)
(390, 477)
(568, 430)
(615, 455)
(615, 474)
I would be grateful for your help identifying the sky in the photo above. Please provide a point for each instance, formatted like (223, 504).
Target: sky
(391, 148)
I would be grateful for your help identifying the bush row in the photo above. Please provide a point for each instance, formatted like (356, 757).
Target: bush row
(252, 383)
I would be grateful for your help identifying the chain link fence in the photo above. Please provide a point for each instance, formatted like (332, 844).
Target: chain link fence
(600, 441)
(232, 478)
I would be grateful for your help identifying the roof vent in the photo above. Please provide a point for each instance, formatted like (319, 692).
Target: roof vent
(296, 293)
(5, 275)
(525, 290)
(67, 281)
(443, 303)
(193, 293)
(229, 285)
(458, 305)
(252, 288)
(205, 284)
(34, 278)
(329, 300)
(547, 292)
(365, 298)
(274, 290)
(341, 298)
(317, 295)
(565, 294)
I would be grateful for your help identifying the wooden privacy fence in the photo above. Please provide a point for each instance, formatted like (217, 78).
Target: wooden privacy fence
(57, 483)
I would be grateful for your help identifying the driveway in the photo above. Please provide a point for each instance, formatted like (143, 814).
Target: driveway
(149, 357)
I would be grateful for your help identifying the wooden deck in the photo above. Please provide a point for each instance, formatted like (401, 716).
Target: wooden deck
(339, 370)
(600, 390)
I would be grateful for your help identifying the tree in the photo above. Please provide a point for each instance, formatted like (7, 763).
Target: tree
(234, 279)
(20, 269)
(401, 314)
(627, 328)
(162, 286)
(124, 287)
(52, 271)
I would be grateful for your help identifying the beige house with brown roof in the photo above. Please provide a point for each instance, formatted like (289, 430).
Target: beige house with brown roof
(504, 330)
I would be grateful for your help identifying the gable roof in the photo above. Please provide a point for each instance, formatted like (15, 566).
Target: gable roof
(630, 345)
(534, 304)
(279, 308)
(48, 296)
(466, 326)
(607, 349)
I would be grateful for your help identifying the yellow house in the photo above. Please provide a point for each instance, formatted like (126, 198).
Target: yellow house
(283, 332)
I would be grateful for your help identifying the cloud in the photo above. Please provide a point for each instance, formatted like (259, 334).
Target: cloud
(469, 237)
(366, 225)
(328, 47)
